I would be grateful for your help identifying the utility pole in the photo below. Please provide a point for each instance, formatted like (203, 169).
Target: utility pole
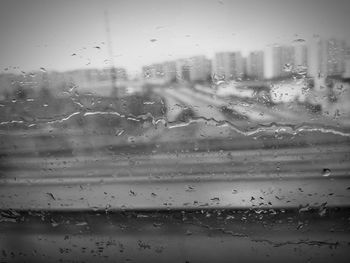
(113, 72)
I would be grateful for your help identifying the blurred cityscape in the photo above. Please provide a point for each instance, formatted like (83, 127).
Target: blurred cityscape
(278, 113)
(316, 75)
(288, 86)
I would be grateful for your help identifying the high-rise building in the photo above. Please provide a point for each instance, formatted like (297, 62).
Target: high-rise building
(147, 72)
(279, 61)
(300, 55)
(200, 68)
(193, 69)
(169, 70)
(183, 70)
(255, 65)
(327, 58)
(165, 71)
(121, 74)
(228, 65)
(154, 71)
(346, 73)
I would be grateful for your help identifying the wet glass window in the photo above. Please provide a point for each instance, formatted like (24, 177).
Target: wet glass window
(174, 131)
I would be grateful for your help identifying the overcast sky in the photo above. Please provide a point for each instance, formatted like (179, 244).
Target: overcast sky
(35, 33)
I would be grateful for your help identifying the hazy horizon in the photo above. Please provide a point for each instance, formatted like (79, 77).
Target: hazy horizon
(71, 35)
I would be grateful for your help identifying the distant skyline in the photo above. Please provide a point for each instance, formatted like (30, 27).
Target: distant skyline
(66, 35)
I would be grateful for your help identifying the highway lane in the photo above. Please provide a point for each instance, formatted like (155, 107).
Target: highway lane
(256, 110)
(269, 178)
(297, 161)
(164, 194)
(166, 170)
(257, 113)
(209, 107)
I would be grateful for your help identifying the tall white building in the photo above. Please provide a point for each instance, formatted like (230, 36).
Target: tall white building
(228, 65)
(193, 69)
(346, 73)
(165, 71)
(182, 70)
(327, 58)
(279, 61)
(300, 55)
(154, 71)
(255, 65)
(169, 70)
(200, 68)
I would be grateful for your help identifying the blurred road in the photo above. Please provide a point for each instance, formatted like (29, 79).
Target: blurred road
(244, 163)
(270, 178)
(179, 164)
(206, 104)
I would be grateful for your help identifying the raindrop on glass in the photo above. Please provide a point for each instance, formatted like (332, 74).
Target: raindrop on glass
(326, 172)
(287, 67)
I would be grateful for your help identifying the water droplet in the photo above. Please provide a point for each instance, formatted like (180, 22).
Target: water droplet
(81, 223)
(301, 70)
(323, 209)
(326, 172)
(8, 216)
(300, 225)
(53, 223)
(188, 233)
(287, 67)
(304, 208)
(219, 82)
(143, 245)
(189, 188)
(148, 102)
(119, 132)
(51, 195)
